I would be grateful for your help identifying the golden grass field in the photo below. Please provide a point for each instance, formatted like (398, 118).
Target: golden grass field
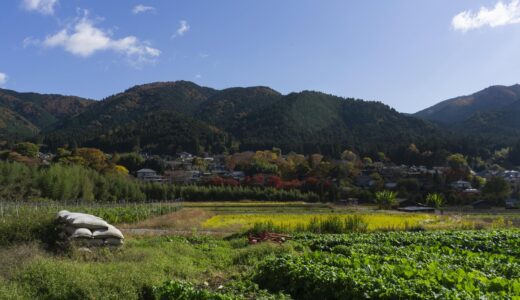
(233, 217)
(292, 221)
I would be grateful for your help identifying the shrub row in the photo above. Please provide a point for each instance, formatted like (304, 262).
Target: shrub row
(19, 182)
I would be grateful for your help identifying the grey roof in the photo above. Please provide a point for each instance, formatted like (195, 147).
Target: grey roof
(146, 171)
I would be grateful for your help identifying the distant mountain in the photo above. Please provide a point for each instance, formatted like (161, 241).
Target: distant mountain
(312, 121)
(227, 108)
(462, 108)
(493, 114)
(25, 114)
(171, 116)
(166, 117)
(129, 106)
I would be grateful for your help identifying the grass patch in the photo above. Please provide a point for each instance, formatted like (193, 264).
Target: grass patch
(144, 262)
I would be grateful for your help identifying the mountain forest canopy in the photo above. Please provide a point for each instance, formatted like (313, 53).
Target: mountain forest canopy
(170, 117)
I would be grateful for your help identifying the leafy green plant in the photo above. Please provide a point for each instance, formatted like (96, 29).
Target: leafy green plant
(405, 265)
(173, 290)
(386, 199)
(435, 199)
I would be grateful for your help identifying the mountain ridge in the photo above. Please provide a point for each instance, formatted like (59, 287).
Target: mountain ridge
(166, 117)
(240, 118)
(491, 114)
(460, 108)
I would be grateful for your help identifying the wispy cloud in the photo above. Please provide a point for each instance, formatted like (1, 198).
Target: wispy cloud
(45, 7)
(198, 76)
(82, 38)
(500, 15)
(142, 9)
(183, 28)
(203, 55)
(3, 78)
(29, 41)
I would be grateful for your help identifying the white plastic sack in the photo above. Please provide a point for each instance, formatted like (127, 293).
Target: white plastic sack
(73, 215)
(88, 222)
(81, 233)
(110, 232)
(62, 214)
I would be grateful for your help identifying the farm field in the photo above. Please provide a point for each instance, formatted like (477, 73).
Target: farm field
(233, 217)
(201, 251)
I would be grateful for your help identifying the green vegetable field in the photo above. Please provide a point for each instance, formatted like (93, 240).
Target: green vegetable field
(399, 265)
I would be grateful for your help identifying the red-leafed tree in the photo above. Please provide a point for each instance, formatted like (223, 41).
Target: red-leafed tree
(230, 182)
(293, 184)
(256, 180)
(274, 181)
(216, 180)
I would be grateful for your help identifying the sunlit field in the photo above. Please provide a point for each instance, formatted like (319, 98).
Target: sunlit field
(295, 221)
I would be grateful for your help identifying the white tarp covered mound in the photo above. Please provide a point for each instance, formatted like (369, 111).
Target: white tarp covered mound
(88, 230)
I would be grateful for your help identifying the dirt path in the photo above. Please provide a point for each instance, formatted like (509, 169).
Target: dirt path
(151, 231)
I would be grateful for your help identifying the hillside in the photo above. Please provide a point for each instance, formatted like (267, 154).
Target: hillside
(124, 112)
(313, 121)
(25, 114)
(459, 109)
(172, 116)
(12, 125)
(501, 125)
(228, 107)
(490, 114)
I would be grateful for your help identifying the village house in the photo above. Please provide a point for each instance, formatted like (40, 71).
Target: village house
(185, 176)
(149, 175)
(511, 176)
(185, 156)
(512, 203)
(238, 175)
(461, 185)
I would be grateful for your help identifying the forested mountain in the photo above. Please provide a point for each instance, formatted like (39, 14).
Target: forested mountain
(123, 113)
(458, 110)
(492, 114)
(166, 117)
(25, 114)
(313, 121)
(172, 116)
(13, 125)
(228, 107)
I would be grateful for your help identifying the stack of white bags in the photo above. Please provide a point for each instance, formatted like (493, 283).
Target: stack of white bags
(88, 230)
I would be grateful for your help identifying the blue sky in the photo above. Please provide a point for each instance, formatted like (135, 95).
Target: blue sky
(408, 54)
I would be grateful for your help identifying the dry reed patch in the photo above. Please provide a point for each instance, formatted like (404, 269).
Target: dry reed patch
(184, 219)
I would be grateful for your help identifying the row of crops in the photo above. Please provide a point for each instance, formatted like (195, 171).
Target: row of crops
(399, 265)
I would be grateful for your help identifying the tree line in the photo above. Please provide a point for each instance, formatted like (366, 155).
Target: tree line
(60, 182)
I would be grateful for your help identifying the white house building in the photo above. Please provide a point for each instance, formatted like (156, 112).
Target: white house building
(149, 175)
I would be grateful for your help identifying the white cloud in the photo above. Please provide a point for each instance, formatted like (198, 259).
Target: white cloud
(500, 15)
(3, 78)
(198, 76)
(29, 41)
(84, 39)
(183, 28)
(142, 9)
(203, 55)
(45, 7)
